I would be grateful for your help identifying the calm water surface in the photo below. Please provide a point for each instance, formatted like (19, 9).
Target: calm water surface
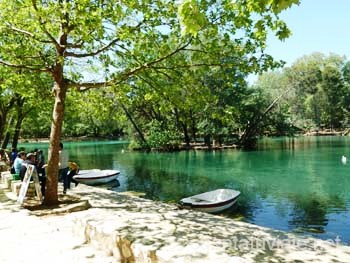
(297, 185)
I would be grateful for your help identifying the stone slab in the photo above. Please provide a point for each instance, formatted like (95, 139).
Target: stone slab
(133, 229)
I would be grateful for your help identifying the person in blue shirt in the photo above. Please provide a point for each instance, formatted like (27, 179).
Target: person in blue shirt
(17, 164)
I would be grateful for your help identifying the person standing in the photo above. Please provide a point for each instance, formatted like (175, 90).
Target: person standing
(63, 168)
(40, 159)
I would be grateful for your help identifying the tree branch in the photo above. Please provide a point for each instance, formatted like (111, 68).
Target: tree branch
(192, 65)
(102, 49)
(42, 26)
(24, 67)
(150, 64)
(126, 75)
(29, 34)
(89, 85)
(84, 55)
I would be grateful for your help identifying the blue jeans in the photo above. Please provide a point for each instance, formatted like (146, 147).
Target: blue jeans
(63, 174)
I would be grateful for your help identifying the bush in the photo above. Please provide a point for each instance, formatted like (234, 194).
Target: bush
(162, 138)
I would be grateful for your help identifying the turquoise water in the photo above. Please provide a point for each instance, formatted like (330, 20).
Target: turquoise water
(297, 185)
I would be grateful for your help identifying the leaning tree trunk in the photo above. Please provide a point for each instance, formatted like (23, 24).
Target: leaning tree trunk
(17, 131)
(20, 117)
(7, 137)
(138, 130)
(4, 110)
(247, 139)
(51, 196)
(2, 123)
(6, 140)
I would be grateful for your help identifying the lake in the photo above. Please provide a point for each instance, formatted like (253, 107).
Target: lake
(292, 184)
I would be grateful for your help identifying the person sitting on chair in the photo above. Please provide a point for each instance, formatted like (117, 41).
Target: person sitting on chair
(31, 160)
(17, 164)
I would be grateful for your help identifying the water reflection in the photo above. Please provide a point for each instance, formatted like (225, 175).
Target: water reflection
(294, 184)
(309, 213)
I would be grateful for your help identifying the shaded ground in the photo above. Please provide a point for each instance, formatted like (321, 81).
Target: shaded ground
(66, 204)
(123, 228)
(27, 238)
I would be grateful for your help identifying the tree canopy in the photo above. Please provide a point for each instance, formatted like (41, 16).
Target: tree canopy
(88, 44)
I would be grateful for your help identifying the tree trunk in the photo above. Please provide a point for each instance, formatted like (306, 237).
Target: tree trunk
(248, 139)
(193, 127)
(7, 137)
(4, 110)
(186, 135)
(17, 131)
(142, 137)
(207, 140)
(20, 117)
(2, 124)
(3, 117)
(184, 128)
(51, 196)
(6, 140)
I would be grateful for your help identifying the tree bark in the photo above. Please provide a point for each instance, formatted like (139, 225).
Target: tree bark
(193, 127)
(4, 110)
(51, 196)
(2, 123)
(6, 140)
(17, 131)
(20, 117)
(7, 135)
(183, 126)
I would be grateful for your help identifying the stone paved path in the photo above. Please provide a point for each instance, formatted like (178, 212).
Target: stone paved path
(133, 229)
(29, 239)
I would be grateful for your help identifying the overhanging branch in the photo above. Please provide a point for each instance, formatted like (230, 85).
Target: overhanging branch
(102, 49)
(26, 33)
(124, 76)
(32, 68)
(84, 55)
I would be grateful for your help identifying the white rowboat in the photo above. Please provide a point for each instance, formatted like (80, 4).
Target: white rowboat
(211, 202)
(96, 176)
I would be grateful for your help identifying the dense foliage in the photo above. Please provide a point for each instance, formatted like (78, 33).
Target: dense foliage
(317, 94)
(148, 56)
(209, 106)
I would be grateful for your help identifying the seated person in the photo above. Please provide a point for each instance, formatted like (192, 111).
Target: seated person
(31, 160)
(17, 164)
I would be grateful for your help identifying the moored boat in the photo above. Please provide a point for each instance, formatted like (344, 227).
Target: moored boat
(211, 202)
(96, 176)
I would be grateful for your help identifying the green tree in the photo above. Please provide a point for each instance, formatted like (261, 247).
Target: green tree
(280, 121)
(318, 96)
(333, 87)
(123, 39)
